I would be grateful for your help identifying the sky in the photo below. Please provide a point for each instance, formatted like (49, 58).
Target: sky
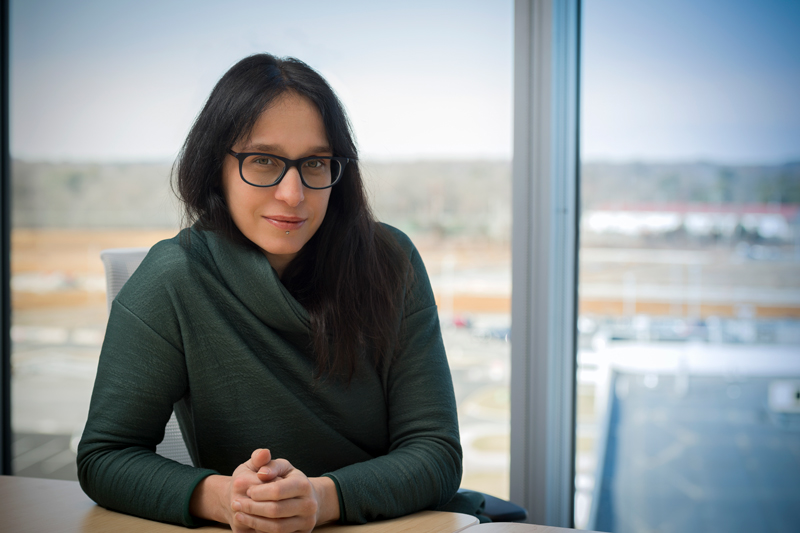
(124, 80)
(691, 79)
(661, 80)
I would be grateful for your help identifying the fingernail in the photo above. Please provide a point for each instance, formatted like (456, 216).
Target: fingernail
(236, 505)
(240, 517)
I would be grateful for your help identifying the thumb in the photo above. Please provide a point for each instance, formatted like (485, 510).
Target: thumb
(258, 459)
(277, 468)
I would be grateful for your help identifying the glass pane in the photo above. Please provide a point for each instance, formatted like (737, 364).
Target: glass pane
(99, 113)
(459, 215)
(689, 358)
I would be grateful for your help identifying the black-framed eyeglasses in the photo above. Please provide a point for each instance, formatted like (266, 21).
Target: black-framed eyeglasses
(267, 170)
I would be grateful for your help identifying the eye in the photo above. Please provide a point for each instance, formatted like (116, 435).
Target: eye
(315, 164)
(263, 160)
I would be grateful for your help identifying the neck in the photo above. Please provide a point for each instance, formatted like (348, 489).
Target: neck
(278, 262)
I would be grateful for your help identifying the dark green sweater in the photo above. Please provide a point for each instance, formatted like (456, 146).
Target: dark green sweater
(210, 328)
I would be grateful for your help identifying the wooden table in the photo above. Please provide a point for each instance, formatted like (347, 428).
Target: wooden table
(44, 505)
(510, 527)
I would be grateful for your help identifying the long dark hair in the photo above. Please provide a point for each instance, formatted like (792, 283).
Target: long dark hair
(351, 274)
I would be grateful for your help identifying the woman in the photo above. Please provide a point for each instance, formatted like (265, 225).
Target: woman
(285, 326)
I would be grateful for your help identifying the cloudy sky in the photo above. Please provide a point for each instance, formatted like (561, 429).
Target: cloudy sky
(123, 80)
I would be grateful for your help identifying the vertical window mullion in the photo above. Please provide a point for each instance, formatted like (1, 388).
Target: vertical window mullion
(5, 250)
(544, 258)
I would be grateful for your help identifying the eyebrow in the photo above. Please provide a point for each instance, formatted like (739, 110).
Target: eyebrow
(271, 149)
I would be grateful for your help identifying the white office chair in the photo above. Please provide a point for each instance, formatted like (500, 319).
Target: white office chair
(119, 264)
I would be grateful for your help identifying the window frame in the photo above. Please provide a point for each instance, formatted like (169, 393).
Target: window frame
(5, 249)
(544, 258)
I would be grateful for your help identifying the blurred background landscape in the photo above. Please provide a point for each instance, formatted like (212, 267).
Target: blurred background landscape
(682, 252)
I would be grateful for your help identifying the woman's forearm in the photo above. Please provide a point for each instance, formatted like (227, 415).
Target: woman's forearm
(209, 500)
(327, 499)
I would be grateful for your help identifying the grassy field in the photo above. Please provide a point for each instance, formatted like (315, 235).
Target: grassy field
(61, 268)
(73, 257)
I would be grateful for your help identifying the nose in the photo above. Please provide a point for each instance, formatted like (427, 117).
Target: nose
(290, 189)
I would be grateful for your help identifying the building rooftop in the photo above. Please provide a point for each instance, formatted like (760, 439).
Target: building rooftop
(699, 452)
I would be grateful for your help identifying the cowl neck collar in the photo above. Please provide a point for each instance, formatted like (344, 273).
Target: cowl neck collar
(249, 276)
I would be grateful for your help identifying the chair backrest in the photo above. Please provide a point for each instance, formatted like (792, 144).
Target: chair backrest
(119, 264)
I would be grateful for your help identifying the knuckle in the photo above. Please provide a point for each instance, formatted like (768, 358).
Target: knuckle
(240, 483)
(247, 506)
(310, 506)
(244, 520)
(271, 509)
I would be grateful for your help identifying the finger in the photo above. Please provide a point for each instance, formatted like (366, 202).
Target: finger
(293, 486)
(279, 509)
(236, 527)
(266, 474)
(265, 478)
(242, 481)
(296, 523)
(276, 468)
(258, 459)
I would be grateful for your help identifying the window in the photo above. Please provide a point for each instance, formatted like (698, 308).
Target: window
(99, 114)
(689, 306)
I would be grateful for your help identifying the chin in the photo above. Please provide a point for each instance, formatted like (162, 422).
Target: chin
(280, 248)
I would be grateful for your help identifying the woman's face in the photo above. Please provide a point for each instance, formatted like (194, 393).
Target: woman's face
(291, 127)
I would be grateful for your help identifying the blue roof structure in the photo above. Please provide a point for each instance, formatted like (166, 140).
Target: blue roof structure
(698, 453)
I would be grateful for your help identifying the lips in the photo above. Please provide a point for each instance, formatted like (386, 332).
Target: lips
(285, 222)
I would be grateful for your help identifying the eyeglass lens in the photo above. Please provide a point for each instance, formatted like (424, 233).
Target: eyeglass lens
(264, 170)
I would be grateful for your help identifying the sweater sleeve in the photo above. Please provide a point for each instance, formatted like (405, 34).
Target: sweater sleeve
(423, 467)
(139, 378)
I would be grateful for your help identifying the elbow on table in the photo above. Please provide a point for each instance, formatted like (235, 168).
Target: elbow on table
(88, 457)
(99, 465)
(454, 480)
(448, 472)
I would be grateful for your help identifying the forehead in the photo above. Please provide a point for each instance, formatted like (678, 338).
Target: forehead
(291, 122)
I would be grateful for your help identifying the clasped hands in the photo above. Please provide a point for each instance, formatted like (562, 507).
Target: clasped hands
(266, 495)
